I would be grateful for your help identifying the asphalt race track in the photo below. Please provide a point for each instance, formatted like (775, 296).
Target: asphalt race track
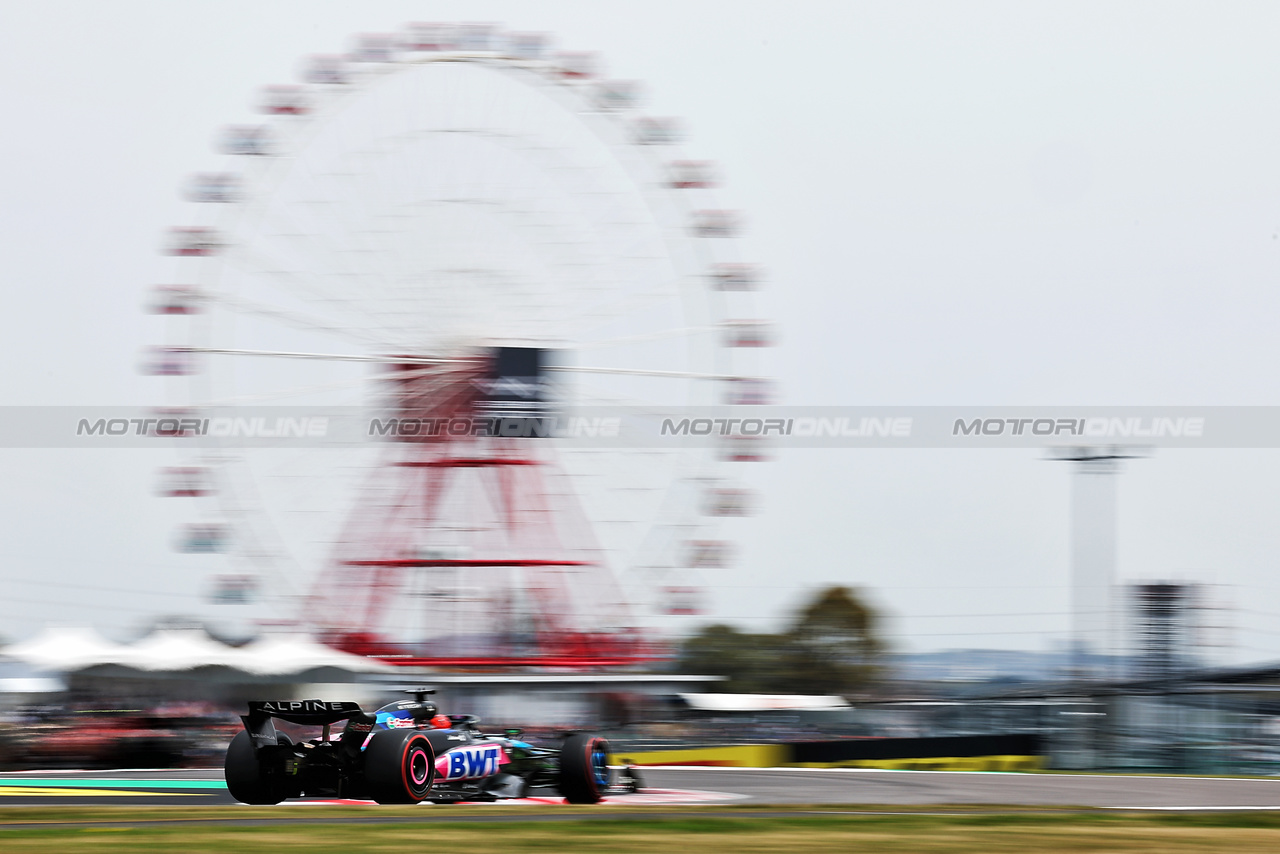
(865, 786)
(711, 786)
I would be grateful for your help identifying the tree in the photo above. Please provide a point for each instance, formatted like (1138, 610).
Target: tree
(832, 647)
(834, 644)
(750, 663)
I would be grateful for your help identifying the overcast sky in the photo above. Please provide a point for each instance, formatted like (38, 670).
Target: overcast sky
(965, 204)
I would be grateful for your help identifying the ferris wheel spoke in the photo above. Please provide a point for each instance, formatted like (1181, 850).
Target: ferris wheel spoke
(293, 391)
(343, 217)
(429, 375)
(291, 317)
(273, 270)
(377, 207)
(630, 304)
(643, 405)
(685, 332)
(330, 357)
(283, 220)
(492, 177)
(349, 225)
(641, 372)
(362, 253)
(427, 360)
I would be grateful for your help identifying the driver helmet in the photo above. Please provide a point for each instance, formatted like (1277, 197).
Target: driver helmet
(441, 722)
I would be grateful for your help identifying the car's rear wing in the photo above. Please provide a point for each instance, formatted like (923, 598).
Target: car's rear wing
(262, 732)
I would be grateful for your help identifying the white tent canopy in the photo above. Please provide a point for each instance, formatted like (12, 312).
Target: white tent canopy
(63, 650)
(280, 654)
(764, 702)
(182, 650)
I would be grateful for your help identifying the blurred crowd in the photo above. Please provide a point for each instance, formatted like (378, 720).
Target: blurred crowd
(75, 737)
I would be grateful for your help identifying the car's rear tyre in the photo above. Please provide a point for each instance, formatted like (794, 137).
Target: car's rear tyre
(247, 780)
(584, 769)
(399, 766)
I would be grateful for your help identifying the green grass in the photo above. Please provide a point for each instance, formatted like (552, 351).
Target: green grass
(707, 830)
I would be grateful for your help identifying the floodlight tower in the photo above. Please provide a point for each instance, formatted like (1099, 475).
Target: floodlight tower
(1093, 547)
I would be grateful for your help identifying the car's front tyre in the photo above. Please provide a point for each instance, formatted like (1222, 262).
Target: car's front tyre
(584, 769)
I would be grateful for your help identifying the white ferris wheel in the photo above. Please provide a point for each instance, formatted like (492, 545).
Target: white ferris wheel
(431, 199)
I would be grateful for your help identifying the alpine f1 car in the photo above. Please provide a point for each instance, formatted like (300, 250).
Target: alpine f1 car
(406, 752)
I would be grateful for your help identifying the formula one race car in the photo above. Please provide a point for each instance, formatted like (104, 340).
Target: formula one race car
(407, 752)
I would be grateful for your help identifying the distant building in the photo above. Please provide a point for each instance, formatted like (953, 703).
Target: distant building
(1167, 621)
